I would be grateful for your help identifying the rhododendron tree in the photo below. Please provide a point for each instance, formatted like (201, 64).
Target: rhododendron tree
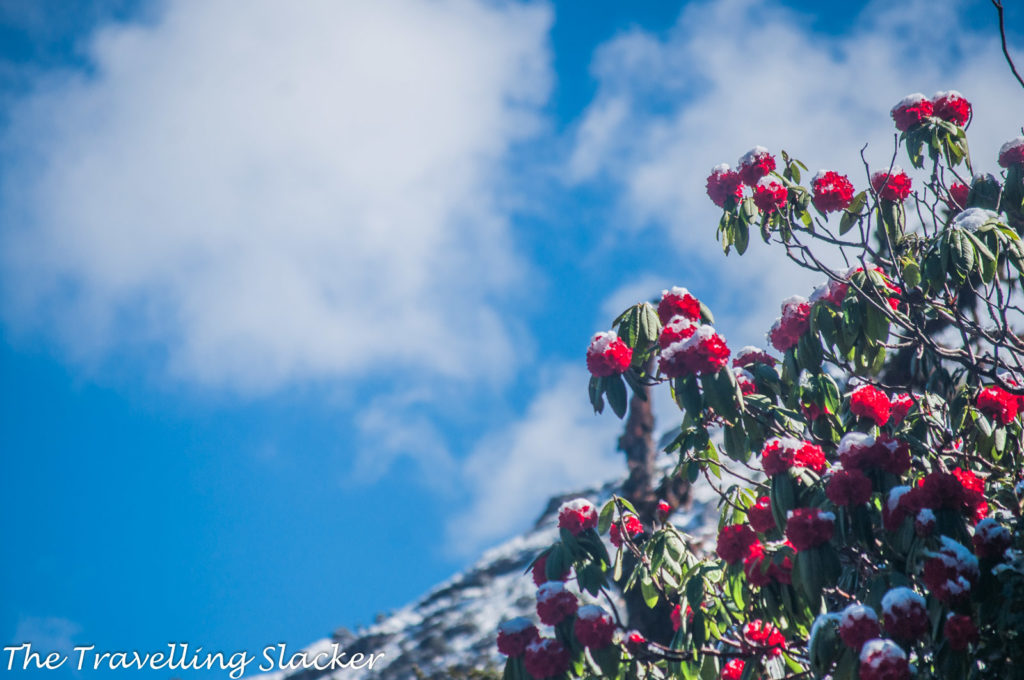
(868, 462)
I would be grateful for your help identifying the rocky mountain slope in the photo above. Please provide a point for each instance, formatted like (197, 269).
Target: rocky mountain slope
(453, 627)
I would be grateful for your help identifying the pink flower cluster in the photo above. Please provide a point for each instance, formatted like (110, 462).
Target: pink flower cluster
(755, 164)
(769, 195)
(951, 572)
(678, 302)
(882, 659)
(857, 625)
(724, 185)
(555, 603)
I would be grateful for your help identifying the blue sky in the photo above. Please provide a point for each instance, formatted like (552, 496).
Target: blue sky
(293, 301)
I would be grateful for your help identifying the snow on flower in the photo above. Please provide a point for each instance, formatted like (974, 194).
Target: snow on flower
(911, 111)
(750, 355)
(882, 659)
(991, 539)
(1012, 152)
(546, 658)
(724, 184)
(678, 328)
(950, 572)
(608, 355)
(781, 453)
(515, 635)
(755, 164)
(794, 322)
(769, 195)
(858, 624)
(702, 353)
(905, 614)
(951, 106)
(555, 603)
(678, 302)
(577, 515)
(760, 515)
(973, 218)
(594, 627)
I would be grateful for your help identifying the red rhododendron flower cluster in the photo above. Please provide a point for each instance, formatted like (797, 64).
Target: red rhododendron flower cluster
(540, 571)
(832, 191)
(848, 487)
(733, 669)
(702, 353)
(901, 405)
(990, 539)
(760, 569)
(754, 165)
(577, 515)
(904, 614)
(870, 402)
(724, 184)
(677, 616)
(807, 528)
(998, 404)
(594, 627)
(734, 540)
(924, 522)
(951, 572)
(515, 635)
(608, 355)
(959, 490)
(745, 380)
(678, 302)
(958, 194)
(635, 642)
(1012, 152)
(765, 635)
(678, 328)
(794, 322)
(750, 355)
(832, 292)
(960, 631)
(760, 515)
(555, 603)
(891, 186)
(633, 527)
(780, 454)
(857, 625)
(546, 658)
(859, 451)
(911, 111)
(664, 510)
(769, 195)
(883, 660)
(951, 106)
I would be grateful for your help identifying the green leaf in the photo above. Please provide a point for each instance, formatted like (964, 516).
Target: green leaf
(596, 390)
(604, 519)
(853, 212)
(615, 388)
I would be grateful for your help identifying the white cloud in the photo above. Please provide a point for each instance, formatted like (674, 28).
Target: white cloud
(736, 73)
(559, 445)
(280, 193)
